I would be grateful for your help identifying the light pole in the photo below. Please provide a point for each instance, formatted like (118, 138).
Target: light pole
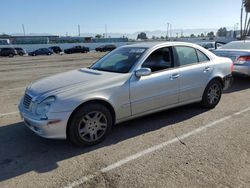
(106, 34)
(23, 30)
(169, 30)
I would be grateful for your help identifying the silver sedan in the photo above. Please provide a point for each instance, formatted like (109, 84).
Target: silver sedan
(131, 81)
(239, 52)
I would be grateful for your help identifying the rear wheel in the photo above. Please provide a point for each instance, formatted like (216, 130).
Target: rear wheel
(11, 55)
(212, 94)
(89, 125)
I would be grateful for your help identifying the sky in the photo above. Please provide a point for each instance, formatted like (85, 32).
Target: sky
(121, 16)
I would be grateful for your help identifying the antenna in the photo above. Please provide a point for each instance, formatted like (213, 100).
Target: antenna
(23, 29)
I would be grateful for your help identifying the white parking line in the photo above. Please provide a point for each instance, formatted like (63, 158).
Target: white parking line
(12, 89)
(151, 149)
(8, 114)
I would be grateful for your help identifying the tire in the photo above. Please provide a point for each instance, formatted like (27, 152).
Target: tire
(84, 128)
(212, 94)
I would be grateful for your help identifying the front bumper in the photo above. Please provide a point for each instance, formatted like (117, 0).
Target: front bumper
(228, 81)
(54, 127)
(242, 69)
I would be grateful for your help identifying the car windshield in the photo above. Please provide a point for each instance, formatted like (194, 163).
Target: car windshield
(237, 45)
(120, 60)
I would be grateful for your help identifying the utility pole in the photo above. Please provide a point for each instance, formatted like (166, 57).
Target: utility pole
(23, 30)
(171, 30)
(79, 30)
(168, 25)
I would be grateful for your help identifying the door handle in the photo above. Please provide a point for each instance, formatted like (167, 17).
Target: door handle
(207, 69)
(174, 76)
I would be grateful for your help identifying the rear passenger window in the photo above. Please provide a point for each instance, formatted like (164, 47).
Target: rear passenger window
(186, 55)
(201, 56)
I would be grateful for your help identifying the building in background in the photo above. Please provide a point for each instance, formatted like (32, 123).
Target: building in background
(53, 39)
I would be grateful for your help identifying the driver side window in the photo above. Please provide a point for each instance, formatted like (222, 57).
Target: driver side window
(159, 60)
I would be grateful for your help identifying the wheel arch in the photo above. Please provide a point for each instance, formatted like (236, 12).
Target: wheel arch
(219, 78)
(98, 101)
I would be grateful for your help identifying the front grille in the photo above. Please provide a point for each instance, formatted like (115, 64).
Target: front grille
(26, 101)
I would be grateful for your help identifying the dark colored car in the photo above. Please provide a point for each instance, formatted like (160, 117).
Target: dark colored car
(77, 49)
(11, 52)
(41, 51)
(105, 48)
(55, 49)
(20, 51)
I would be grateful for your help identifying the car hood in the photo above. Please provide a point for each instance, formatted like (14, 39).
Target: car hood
(71, 80)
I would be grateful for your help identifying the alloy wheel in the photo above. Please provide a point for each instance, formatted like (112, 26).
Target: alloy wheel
(92, 126)
(214, 93)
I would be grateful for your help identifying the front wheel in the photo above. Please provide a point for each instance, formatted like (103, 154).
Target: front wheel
(89, 125)
(212, 94)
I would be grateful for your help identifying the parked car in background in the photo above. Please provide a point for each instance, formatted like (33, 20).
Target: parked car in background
(105, 48)
(41, 51)
(129, 82)
(239, 53)
(8, 52)
(77, 49)
(20, 51)
(211, 45)
(56, 49)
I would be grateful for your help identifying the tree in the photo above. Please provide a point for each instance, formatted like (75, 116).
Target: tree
(98, 36)
(192, 36)
(211, 35)
(153, 37)
(142, 36)
(202, 35)
(222, 32)
(162, 37)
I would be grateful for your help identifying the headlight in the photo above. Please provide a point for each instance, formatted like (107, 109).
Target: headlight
(44, 106)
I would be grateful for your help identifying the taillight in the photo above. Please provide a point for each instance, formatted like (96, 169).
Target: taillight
(242, 59)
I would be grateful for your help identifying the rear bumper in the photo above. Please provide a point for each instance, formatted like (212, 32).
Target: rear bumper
(242, 70)
(227, 81)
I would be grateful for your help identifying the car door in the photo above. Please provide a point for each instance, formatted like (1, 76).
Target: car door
(158, 90)
(195, 69)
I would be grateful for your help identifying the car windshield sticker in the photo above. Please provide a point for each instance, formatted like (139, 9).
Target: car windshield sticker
(137, 51)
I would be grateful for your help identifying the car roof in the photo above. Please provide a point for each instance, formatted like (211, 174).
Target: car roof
(158, 44)
(153, 45)
(241, 41)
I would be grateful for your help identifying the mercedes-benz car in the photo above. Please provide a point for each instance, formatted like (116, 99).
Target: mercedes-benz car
(132, 81)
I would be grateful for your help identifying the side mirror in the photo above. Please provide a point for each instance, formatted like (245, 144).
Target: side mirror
(143, 72)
